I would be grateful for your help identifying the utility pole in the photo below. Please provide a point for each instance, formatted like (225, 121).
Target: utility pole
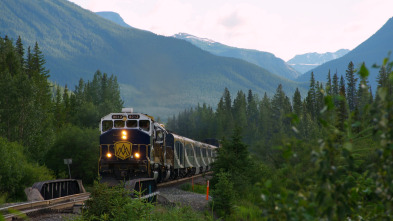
(68, 162)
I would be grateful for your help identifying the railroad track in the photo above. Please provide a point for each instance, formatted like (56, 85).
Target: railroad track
(182, 179)
(66, 202)
(37, 207)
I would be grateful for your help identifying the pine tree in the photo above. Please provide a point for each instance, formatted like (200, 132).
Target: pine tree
(351, 89)
(20, 50)
(38, 62)
(240, 110)
(265, 111)
(252, 117)
(311, 98)
(297, 103)
(329, 89)
(342, 111)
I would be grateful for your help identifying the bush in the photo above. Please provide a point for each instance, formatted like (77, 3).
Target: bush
(16, 172)
(223, 194)
(82, 146)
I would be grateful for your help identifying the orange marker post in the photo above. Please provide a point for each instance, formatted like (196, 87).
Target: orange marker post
(207, 191)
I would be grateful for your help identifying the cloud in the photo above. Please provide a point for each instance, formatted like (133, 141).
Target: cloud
(232, 20)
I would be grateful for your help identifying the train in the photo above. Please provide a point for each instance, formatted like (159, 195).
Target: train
(135, 147)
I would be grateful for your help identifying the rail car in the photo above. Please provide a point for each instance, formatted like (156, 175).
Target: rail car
(134, 146)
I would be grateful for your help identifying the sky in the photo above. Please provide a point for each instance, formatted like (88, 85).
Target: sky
(283, 27)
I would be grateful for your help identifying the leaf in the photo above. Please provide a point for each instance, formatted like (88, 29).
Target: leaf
(385, 61)
(268, 184)
(348, 146)
(363, 72)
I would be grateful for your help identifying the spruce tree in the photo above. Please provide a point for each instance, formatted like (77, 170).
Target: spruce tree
(20, 50)
(329, 89)
(351, 86)
(297, 103)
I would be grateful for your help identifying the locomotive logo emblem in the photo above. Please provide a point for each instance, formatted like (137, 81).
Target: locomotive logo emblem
(123, 150)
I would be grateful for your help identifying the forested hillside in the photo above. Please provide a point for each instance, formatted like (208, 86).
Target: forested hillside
(41, 124)
(157, 75)
(326, 156)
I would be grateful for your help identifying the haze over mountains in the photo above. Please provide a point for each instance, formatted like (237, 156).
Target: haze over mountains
(158, 75)
(263, 59)
(115, 17)
(372, 51)
(308, 61)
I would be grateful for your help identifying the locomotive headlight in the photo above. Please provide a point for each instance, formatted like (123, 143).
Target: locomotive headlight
(123, 134)
(137, 155)
(109, 155)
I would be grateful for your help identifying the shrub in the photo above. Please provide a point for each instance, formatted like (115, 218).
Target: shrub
(16, 172)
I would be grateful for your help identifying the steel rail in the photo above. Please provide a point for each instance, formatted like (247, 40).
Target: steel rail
(182, 179)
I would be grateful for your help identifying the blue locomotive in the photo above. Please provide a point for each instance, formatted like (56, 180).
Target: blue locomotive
(134, 146)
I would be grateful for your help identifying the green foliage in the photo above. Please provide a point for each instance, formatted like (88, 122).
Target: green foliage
(115, 203)
(17, 172)
(80, 145)
(106, 203)
(25, 99)
(197, 188)
(321, 158)
(223, 193)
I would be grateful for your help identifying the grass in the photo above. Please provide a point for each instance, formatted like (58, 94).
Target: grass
(201, 189)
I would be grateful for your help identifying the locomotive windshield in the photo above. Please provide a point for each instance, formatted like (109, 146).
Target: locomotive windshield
(144, 125)
(109, 124)
(132, 123)
(119, 123)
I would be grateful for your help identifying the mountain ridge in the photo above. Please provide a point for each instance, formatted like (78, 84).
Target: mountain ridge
(308, 61)
(263, 59)
(113, 16)
(371, 51)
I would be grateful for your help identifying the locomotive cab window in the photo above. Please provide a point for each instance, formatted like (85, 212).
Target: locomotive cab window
(160, 135)
(144, 125)
(107, 125)
(119, 123)
(132, 123)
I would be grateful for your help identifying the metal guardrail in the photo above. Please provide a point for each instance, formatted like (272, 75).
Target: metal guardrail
(52, 204)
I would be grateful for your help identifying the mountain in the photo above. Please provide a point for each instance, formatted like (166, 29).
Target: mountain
(308, 61)
(263, 59)
(372, 51)
(157, 75)
(114, 17)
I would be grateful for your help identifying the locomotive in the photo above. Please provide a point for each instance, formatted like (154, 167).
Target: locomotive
(135, 147)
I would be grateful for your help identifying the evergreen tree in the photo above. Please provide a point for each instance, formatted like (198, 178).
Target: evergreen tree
(20, 50)
(252, 117)
(265, 110)
(351, 89)
(342, 111)
(297, 103)
(281, 106)
(239, 110)
(329, 89)
(311, 98)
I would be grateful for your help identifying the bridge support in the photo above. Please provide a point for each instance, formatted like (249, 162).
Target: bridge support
(51, 189)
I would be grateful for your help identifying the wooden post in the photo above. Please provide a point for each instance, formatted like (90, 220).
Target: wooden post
(207, 191)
